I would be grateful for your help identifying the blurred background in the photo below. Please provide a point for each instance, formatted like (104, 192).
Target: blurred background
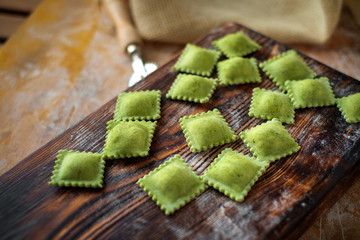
(62, 60)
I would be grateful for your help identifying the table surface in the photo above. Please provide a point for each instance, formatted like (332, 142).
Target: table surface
(65, 62)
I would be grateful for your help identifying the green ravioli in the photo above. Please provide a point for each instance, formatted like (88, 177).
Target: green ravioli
(197, 60)
(236, 45)
(269, 141)
(350, 107)
(78, 169)
(286, 66)
(267, 104)
(206, 130)
(234, 173)
(125, 139)
(140, 105)
(310, 93)
(238, 70)
(192, 88)
(172, 184)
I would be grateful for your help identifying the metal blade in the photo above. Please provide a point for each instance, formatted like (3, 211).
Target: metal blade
(140, 69)
(138, 65)
(149, 67)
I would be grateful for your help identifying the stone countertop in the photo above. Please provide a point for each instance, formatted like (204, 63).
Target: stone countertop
(64, 63)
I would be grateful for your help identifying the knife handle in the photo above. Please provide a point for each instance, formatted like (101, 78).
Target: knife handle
(126, 33)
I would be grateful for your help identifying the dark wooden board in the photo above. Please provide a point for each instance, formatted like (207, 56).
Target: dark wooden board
(282, 203)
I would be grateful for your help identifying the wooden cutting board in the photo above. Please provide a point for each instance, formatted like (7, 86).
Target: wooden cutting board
(282, 204)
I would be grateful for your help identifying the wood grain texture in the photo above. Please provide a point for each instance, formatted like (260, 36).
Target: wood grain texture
(282, 204)
(9, 24)
(20, 5)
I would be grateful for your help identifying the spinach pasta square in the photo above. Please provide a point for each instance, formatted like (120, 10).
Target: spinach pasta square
(267, 104)
(125, 139)
(197, 60)
(234, 173)
(286, 66)
(78, 169)
(139, 105)
(310, 93)
(192, 88)
(206, 130)
(236, 45)
(269, 141)
(172, 184)
(238, 70)
(350, 107)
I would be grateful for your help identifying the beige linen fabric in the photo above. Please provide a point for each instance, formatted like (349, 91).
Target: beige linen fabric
(182, 21)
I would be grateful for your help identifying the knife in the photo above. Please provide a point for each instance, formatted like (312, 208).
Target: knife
(129, 39)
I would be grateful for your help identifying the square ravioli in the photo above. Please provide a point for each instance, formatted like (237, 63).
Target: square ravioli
(234, 173)
(269, 141)
(197, 60)
(140, 105)
(310, 93)
(350, 107)
(236, 45)
(267, 104)
(206, 130)
(192, 88)
(172, 184)
(78, 169)
(238, 70)
(286, 66)
(125, 139)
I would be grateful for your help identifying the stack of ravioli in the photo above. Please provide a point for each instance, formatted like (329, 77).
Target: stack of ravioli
(174, 183)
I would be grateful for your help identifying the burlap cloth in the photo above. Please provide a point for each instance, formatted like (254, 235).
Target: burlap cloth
(182, 21)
